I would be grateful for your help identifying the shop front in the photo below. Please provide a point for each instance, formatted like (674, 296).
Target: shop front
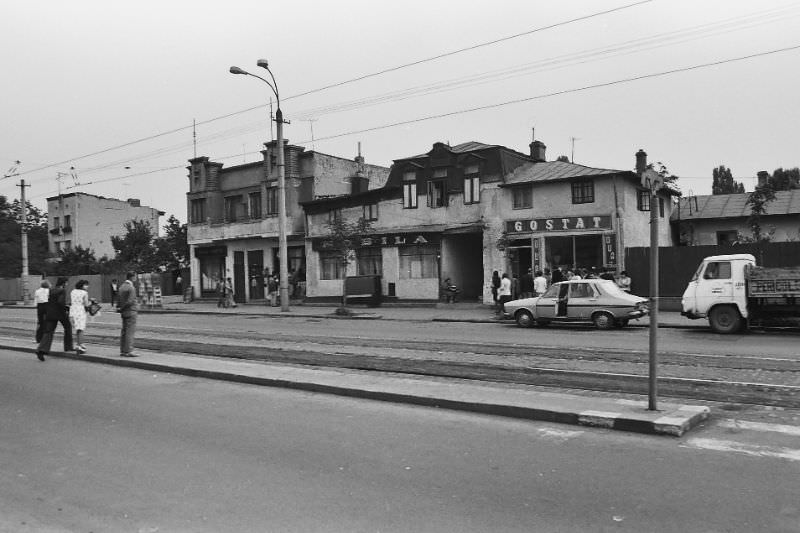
(211, 260)
(567, 242)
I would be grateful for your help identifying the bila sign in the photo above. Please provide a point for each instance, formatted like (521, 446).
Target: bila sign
(602, 222)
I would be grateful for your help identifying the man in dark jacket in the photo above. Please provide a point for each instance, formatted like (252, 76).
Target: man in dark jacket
(57, 310)
(128, 308)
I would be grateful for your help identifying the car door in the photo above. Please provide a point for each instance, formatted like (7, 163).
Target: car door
(718, 284)
(547, 304)
(581, 300)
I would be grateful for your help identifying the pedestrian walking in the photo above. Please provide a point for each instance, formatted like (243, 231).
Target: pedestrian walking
(128, 310)
(229, 301)
(539, 283)
(272, 291)
(79, 301)
(222, 300)
(503, 293)
(495, 286)
(624, 281)
(57, 311)
(40, 297)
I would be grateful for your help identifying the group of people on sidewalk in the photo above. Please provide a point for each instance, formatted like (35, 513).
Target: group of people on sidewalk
(54, 306)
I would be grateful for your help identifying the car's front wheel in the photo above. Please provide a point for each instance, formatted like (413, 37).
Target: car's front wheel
(603, 320)
(524, 318)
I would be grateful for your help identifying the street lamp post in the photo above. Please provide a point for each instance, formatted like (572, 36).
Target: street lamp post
(282, 247)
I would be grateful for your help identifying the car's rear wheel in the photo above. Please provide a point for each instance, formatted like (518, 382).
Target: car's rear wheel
(725, 319)
(524, 318)
(603, 320)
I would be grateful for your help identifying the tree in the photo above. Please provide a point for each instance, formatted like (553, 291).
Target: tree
(173, 248)
(342, 241)
(785, 180)
(758, 201)
(11, 239)
(662, 171)
(563, 158)
(75, 262)
(723, 182)
(136, 250)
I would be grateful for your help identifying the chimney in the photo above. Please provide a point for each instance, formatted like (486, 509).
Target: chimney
(134, 202)
(360, 182)
(763, 177)
(537, 151)
(641, 161)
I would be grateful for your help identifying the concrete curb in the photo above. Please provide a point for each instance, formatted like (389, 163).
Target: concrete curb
(457, 395)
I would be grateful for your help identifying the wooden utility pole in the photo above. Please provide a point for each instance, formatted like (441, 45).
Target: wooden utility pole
(24, 225)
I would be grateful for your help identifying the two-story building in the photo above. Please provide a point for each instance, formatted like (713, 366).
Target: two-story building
(89, 221)
(463, 211)
(233, 213)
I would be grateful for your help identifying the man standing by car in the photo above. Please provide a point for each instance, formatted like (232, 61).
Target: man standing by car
(128, 308)
(539, 283)
(503, 293)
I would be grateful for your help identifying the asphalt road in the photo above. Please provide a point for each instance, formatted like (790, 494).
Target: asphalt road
(88, 447)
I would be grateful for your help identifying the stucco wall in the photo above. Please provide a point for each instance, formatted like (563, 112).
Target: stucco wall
(781, 228)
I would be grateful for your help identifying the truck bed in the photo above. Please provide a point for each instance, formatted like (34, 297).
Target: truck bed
(765, 282)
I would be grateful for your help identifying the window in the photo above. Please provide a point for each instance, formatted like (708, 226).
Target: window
(437, 193)
(410, 190)
(198, 213)
(330, 266)
(333, 215)
(67, 222)
(418, 262)
(196, 177)
(370, 212)
(661, 207)
(522, 197)
(582, 192)
(718, 270)
(369, 261)
(254, 204)
(440, 173)
(272, 201)
(56, 220)
(67, 246)
(231, 206)
(643, 200)
(581, 290)
(472, 188)
(727, 237)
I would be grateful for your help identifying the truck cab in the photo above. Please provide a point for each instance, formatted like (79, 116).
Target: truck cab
(718, 291)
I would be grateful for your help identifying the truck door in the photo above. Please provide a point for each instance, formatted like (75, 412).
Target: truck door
(715, 285)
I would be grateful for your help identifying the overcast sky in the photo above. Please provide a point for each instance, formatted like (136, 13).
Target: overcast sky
(84, 77)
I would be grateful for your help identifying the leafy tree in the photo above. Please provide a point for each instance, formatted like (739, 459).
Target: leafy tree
(136, 250)
(784, 180)
(11, 240)
(173, 248)
(724, 183)
(76, 261)
(342, 240)
(563, 158)
(664, 172)
(758, 201)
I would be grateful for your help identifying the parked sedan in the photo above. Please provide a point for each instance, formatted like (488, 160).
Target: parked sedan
(596, 301)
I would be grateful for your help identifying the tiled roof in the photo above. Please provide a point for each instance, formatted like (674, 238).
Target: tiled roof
(459, 149)
(554, 170)
(734, 205)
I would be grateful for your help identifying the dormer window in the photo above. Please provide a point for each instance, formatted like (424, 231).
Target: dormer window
(437, 193)
(410, 190)
(472, 185)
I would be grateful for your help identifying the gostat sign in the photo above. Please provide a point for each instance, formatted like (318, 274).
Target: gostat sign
(602, 222)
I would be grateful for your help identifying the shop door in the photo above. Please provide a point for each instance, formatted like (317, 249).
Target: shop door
(238, 276)
(255, 272)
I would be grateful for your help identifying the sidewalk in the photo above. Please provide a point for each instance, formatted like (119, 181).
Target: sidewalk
(516, 401)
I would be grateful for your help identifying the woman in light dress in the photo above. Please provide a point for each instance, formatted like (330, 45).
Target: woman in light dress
(79, 301)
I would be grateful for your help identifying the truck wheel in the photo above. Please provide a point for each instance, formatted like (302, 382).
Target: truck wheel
(524, 319)
(603, 320)
(725, 319)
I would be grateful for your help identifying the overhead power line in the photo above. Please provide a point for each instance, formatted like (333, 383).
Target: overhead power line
(345, 82)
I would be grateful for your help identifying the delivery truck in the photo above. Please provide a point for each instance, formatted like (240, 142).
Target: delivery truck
(733, 293)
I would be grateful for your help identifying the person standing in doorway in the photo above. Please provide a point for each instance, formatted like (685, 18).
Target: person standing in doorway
(503, 293)
(495, 286)
(114, 292)
(40, 297)
(57, 311)
(128, 310)
(526, 284)
(79, 301)
(539, 283)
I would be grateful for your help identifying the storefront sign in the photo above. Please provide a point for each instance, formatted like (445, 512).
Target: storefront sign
(559, 224)
(371, 241)
(610, 245)
(208, 251)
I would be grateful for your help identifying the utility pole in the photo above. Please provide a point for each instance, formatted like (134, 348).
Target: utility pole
(24, 224)
(653, 181)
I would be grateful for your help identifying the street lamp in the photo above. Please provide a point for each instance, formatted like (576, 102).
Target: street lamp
(282, 248)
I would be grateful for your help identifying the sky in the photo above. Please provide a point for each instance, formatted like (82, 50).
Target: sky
(105, 93)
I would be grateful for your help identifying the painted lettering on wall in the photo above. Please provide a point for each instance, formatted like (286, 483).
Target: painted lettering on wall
(371, 241)
(601, 222)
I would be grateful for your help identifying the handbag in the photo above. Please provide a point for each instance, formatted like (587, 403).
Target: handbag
(93, 308)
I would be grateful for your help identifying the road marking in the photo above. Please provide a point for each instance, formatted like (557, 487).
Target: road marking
(560, 433)
(747, 449)
(759, 426)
